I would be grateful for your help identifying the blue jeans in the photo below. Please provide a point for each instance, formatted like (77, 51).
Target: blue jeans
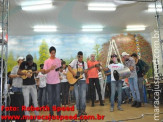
(16, 89)
(141, 88)
(54, 97)
(116, 85)
(133, 82)
(27, 91)
(80, 94)
(42, 96)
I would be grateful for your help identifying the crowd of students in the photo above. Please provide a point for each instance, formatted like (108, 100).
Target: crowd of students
(97, 82)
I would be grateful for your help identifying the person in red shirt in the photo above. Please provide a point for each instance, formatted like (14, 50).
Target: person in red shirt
(94, 80)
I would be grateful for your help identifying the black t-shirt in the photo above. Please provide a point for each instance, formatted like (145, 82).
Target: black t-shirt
(141, 68)
(24, 66)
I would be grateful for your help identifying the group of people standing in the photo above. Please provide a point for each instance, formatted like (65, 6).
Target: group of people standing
(52, 77)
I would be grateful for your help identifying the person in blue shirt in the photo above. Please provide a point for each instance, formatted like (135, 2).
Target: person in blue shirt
(108, 81)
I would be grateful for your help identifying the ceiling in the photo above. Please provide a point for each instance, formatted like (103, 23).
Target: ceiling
(70, 15)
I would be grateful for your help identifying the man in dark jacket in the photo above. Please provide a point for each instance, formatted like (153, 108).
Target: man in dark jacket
(142, 69)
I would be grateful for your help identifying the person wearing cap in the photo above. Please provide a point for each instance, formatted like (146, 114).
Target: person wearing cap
(94, 80)
(115, 84)
(51, 68)
(133, 80)
(80, 86)
(29, 85)
(17, 80)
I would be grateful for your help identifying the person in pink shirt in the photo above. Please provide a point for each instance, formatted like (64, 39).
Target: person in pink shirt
(51, 68)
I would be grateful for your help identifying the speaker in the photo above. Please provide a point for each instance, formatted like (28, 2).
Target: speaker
(17, 100)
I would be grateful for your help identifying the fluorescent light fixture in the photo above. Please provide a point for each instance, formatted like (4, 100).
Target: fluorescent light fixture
(154, 8)
(45, 28)
(37, 5)
(101, 7)
(135, 27)
(124, 2)
(92, 28)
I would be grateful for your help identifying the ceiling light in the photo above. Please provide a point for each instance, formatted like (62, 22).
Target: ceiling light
(135, 28)
(101, 7)
(45, 28)
(124, 2)
(92, 28)
(37, 5)
(154, 8)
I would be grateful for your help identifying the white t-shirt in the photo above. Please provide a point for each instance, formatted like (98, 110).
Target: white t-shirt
(63, 76)
(80, 65)
(42, 79)
(113, 67)
(100, 76)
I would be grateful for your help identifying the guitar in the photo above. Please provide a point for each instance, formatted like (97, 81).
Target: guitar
(27, 71)
(79, 74)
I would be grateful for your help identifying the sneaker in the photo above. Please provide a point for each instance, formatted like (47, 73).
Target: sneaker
(120, 109)
(129, 101)
(123, 102)
(79, 114)
(84, 113)
(138, 105)
(111, 109)
(93, 104)
(102, 104)
(134, 104)
(39, 120)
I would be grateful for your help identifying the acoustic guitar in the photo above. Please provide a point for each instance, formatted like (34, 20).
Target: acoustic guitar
(29, 72)
(79, 74)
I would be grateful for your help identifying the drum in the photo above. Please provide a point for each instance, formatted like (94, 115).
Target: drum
(121, 73)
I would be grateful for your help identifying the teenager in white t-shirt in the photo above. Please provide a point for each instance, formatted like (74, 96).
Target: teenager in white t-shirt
(115, 84)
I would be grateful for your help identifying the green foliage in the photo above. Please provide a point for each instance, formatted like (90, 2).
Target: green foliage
(11, 62)
(97, 50)
(150, 71)
(43, 52)
(68, 61)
